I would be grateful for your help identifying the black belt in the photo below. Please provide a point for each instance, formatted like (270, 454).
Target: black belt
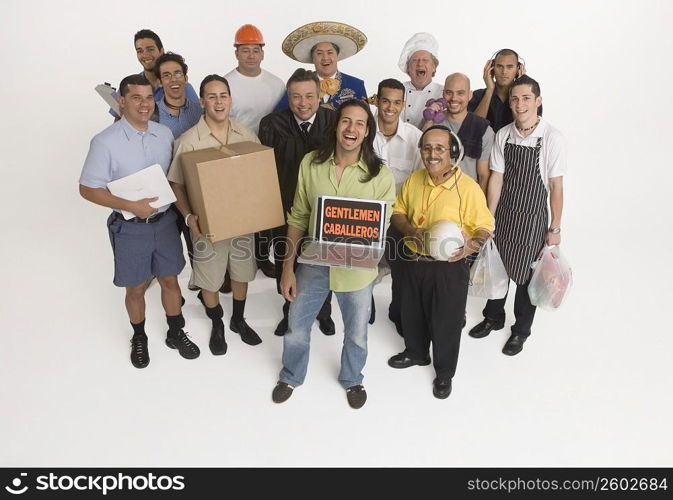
(151, 219)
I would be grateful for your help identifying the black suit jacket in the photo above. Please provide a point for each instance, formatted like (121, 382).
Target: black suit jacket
(280, 131)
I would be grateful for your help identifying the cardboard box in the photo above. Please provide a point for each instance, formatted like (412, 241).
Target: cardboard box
(234, 190)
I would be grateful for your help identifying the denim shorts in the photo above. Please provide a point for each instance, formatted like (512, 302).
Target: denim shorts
(144, 250)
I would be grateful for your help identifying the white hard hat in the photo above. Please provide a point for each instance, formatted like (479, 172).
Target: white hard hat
(443, 239)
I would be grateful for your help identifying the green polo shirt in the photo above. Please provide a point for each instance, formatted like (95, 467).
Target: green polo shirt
(320, 179)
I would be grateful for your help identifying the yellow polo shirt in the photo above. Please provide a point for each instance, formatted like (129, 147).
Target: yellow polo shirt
(320, 179)
(457, 199)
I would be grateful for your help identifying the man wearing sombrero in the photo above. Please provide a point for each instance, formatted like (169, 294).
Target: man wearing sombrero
(323, 44)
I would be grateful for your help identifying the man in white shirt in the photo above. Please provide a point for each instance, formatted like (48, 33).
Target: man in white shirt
(528, 163)
(419, 60)
(254, 94)
(396, 142)
(254, 91)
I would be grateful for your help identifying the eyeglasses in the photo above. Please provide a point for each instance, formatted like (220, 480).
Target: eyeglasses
(169, 76)
(437, 149)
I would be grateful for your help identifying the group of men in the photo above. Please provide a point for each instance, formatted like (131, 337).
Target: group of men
(484, 160)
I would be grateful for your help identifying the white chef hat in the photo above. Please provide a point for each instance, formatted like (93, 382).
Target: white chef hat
(420, 41)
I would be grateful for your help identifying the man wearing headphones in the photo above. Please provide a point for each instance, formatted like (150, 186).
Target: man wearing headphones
(474, 131)
(527, 164)
(492, 102)
(434, 292)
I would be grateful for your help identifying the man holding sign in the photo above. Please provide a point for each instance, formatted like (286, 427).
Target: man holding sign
(148, 244)
(346, 165)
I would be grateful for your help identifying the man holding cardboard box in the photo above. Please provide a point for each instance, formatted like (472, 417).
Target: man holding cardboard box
(148, 244)
(212, 259)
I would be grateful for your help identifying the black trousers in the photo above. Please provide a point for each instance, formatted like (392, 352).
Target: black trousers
(394, 254)
(434, 295)
(278, 240)
(524, 311)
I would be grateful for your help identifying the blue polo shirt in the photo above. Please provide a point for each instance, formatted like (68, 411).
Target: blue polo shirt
(188, 117)
(121, 150)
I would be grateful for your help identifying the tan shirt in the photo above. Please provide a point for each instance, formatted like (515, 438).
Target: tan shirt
(199, 137)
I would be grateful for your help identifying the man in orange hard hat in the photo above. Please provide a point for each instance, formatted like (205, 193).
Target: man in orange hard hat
(254, 94)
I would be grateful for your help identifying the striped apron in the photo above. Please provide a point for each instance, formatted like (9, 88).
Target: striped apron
(521, 217)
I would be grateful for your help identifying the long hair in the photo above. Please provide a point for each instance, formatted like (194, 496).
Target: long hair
(367, 153)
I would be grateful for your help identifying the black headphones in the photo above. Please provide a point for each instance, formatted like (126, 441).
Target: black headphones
(456, 151)
(519, 60)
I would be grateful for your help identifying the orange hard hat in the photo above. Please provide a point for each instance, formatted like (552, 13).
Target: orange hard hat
(248, 35)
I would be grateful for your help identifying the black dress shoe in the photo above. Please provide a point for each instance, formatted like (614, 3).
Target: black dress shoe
(514, 345)
(267, 267)
(402, 361)
(441, 389)
(281, 392)
(226, 286)
(484, 328)
(326, 326)
(248, 335)
(281, 329)
(218, 346)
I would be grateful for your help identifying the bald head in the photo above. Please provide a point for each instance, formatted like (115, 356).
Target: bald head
(457, 93)
(458, 78)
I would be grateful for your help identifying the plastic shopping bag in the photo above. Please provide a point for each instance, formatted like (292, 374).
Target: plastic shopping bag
(488, 277)
(551, 280)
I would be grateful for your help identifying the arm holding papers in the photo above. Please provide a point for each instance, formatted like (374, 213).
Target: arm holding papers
(101, 196)
(148, 183)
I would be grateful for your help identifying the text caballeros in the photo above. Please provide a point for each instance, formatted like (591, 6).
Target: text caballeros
(353, 230)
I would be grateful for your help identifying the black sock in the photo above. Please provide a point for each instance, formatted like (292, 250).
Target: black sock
(138, 328)
(215, 314)
(175, 324)
(239, 307)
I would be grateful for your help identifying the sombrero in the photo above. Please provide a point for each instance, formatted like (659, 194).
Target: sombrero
(297, 45)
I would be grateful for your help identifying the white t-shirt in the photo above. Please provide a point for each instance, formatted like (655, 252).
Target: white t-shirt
(253, 97)
(400, 153)
(553, 152)
(416, 99)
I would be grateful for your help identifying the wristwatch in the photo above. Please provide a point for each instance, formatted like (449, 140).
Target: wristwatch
(554, 230)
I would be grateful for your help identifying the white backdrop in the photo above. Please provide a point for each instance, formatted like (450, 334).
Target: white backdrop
(593, 384)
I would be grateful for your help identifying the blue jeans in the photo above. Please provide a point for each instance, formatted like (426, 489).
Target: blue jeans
(312, 288)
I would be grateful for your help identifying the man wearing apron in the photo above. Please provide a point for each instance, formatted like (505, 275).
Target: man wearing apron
(528, 162)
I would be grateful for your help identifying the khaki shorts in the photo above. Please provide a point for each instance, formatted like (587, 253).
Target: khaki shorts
(211, 260)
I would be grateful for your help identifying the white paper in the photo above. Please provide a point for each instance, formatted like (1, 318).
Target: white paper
(109, 95)
(146, 183)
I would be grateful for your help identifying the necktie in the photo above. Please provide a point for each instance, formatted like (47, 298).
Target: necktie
(304, 127)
